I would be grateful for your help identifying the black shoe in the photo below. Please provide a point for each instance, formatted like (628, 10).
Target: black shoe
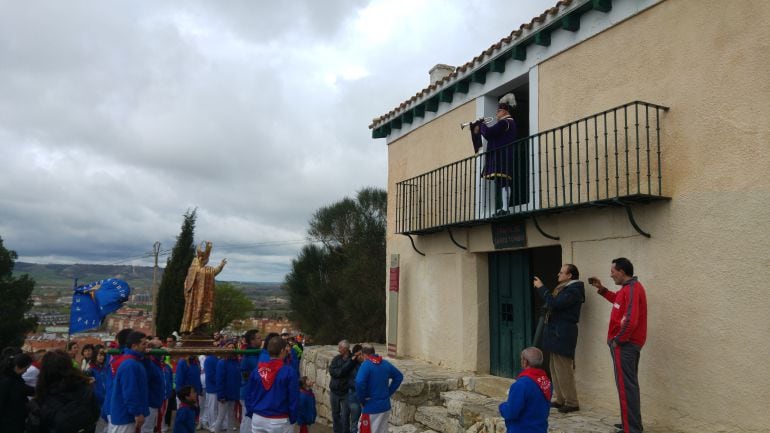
(619, 426)
(556, 405)
(568, 409)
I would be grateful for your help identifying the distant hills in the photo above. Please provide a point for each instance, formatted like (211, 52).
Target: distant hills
(55, 277)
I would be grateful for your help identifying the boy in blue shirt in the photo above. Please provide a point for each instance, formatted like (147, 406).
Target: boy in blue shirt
(188, 410)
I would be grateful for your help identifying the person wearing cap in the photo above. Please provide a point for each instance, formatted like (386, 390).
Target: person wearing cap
(499, 164)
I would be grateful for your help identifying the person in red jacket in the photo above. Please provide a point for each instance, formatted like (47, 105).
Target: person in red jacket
(626, 336)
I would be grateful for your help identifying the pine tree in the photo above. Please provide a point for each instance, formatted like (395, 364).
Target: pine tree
(15, 294)
(337, 290)
(171, 289)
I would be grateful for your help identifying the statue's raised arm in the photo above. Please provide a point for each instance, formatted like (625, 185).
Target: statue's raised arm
(199, 290)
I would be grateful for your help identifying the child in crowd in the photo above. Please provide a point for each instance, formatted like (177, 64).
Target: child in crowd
(188, 410)
(306, 414)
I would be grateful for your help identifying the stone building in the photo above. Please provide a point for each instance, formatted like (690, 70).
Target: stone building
(644, 134)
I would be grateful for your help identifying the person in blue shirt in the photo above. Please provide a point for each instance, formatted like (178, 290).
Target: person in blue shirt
(228, 384)
(273, 392)
(529, 398)
(376, 380)
(188, 372)
(248, 364)
(209, 415)
(120, 344)
(156, 386)
(188, 410)
(306, 412)
(129, 400)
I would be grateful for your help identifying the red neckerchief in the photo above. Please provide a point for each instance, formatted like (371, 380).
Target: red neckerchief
(36, 364)
(157, 361)
(96, 366)
(375, 359)
(540, 378)
(195, 408)
(268, 371)
(116, 361)
(307, 391)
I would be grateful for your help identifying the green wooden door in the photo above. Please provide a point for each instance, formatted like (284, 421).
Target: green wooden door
(510, 312)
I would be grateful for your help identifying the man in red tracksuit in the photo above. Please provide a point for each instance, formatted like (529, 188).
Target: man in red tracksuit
(626, 336)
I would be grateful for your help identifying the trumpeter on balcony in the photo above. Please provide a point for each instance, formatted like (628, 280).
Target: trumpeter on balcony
(498, 163)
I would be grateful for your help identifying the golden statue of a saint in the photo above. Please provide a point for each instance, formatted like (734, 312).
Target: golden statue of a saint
(199, 290)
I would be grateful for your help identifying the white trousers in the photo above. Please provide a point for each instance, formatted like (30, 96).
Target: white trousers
(225, 416)
(122, 428)
(378, 422)
(260, 424)
(150, 420)
(245, 421)
(210, 413)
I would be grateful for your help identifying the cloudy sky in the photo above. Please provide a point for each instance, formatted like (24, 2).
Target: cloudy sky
(116, 117)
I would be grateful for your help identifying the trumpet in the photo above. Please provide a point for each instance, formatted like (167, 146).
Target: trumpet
(486, 120)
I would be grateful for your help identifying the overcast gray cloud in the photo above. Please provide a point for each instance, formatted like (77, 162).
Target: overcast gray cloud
(116, 117)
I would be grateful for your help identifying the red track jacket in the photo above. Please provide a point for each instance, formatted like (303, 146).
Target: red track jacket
(628, 320)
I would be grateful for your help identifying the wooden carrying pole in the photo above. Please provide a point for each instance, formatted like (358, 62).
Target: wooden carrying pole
(187, 351)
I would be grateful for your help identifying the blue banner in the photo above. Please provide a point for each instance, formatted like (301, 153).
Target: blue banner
(91, 303)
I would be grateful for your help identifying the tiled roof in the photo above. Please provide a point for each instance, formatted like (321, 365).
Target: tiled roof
(524, 30)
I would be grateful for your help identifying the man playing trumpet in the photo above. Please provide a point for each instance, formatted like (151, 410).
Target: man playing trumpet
(498, 164)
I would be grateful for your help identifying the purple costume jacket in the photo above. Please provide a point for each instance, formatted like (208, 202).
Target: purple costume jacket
(499, 156)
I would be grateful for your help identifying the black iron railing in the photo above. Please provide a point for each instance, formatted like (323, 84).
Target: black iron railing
(603, 158)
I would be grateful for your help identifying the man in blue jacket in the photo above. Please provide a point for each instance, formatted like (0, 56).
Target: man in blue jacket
(528, 404)
(273, 392)
(209, 409)
(228, 383)
(376, 381)
(129, 405)
(156, 386)
(188, 372)
(248, 364)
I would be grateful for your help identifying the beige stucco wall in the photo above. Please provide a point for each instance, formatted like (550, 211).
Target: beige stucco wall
(704, 367)
(709, 335)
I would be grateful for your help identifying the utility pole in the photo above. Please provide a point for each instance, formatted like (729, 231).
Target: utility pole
(154, 291)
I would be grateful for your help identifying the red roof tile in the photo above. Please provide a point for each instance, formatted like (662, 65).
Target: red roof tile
(534, 22)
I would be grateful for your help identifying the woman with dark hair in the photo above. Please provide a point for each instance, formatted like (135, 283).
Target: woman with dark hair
(63, 397)
(13, 390)
(98, 370)
(88, 354)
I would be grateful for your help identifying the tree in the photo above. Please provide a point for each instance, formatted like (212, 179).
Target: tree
(15, 294)
(230, 304)
(336, 290)
(171, 289)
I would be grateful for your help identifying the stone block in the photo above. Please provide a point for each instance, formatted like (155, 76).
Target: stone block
(437, 418)
(491, 386)
(410, 388)
(406, 428)
(475, 413)
(401, 413)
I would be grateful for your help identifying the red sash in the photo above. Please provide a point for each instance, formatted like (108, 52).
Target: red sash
(116, 361)
(365, 424)
(268, 371)
(541, 380)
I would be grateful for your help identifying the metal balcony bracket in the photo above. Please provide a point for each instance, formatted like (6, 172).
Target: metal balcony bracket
(453, 239)
(631, 219)
(540, 229)
(413, 246)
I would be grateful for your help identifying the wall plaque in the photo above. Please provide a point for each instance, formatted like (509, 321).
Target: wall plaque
(509, 234)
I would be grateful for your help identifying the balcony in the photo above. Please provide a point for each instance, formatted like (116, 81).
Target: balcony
(612, 158)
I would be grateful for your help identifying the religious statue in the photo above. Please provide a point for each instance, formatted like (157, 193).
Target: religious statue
(199, 290)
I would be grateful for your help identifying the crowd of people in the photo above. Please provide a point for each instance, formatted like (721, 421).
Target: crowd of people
(132, 389)
(135, 389)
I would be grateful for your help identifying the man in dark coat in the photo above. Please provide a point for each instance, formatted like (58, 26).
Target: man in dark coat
(340, 369)
(562, 313)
